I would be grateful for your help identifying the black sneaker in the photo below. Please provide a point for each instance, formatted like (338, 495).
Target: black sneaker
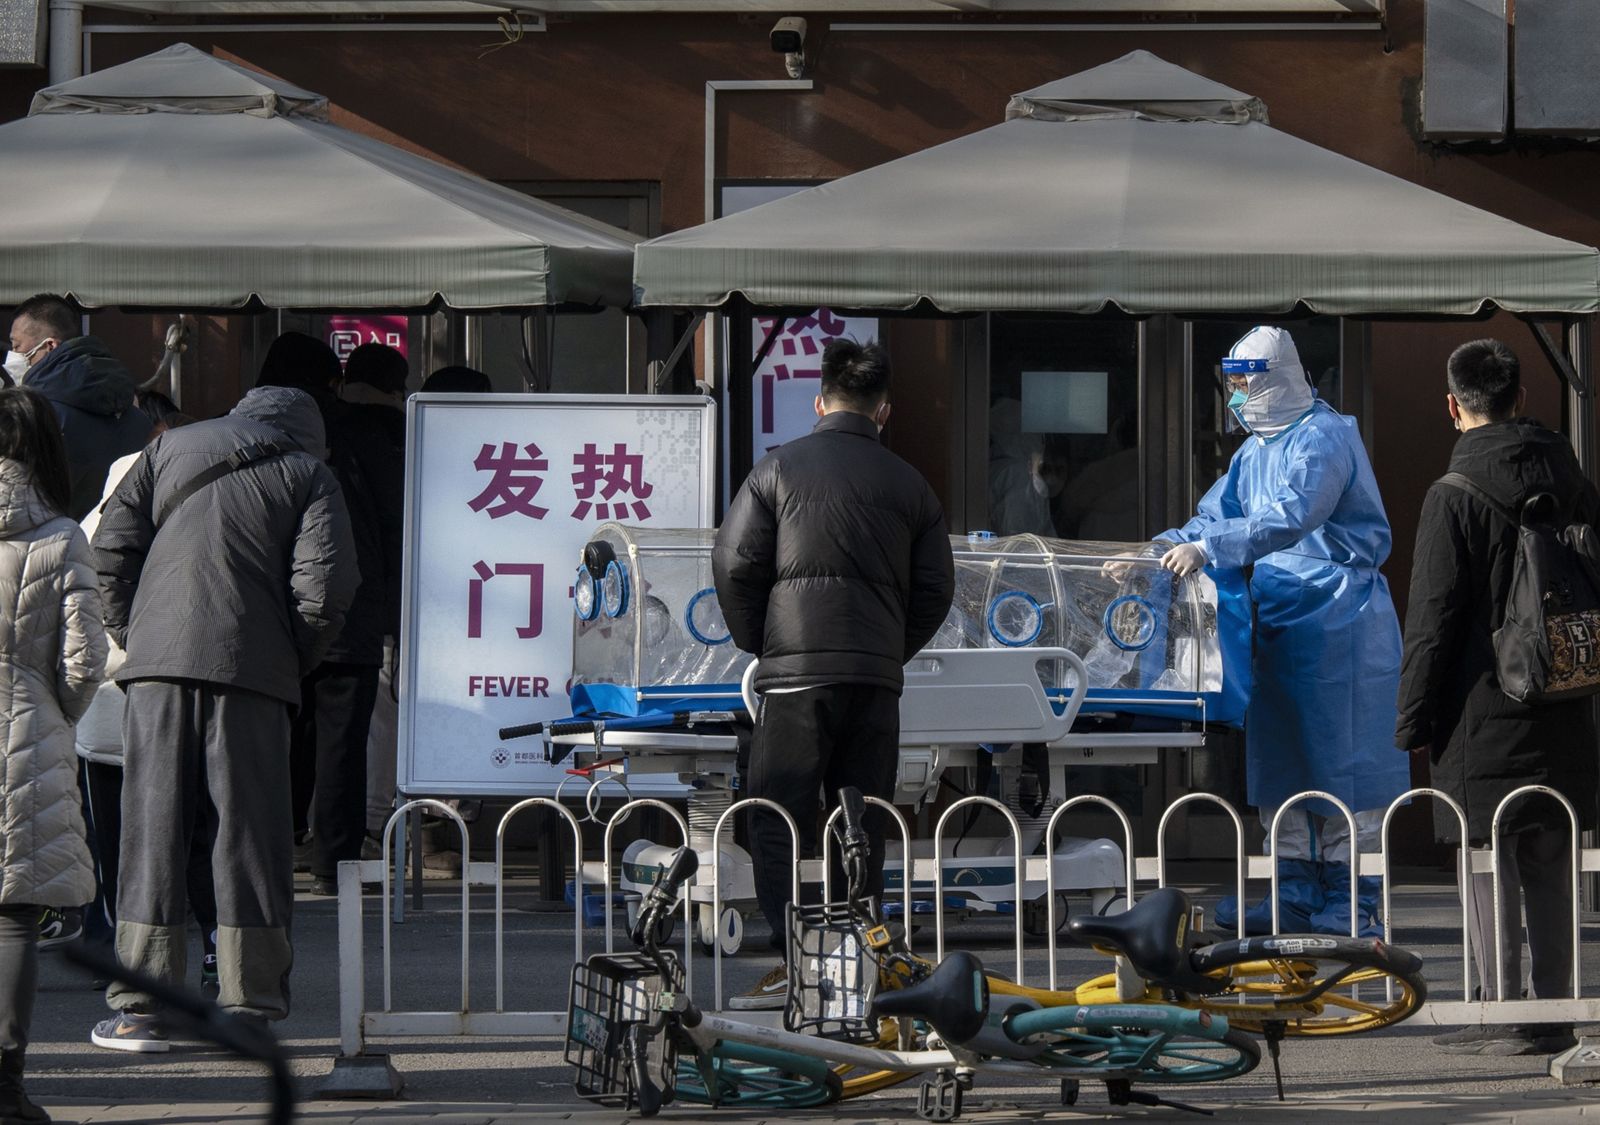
(15, 1106)
(57, 927)
(768, 995)
(130, 1031)
(302, 854)
(210, 984)
(1508, 1040)
(324, 888)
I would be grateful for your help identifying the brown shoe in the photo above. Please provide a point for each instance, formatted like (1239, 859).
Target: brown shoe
(768, 995)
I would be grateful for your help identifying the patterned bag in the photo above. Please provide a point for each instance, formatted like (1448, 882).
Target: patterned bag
(1547, 650)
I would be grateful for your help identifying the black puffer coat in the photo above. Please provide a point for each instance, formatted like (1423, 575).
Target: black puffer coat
(1484, 743)
(366, 450)
(833, 564)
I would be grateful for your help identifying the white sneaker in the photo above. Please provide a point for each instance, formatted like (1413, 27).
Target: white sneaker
(768, 995)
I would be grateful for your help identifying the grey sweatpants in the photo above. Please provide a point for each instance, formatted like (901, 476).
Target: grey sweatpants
(1535, 878)
(213, 761)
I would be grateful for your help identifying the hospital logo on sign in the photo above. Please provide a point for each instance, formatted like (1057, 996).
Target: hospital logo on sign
(501, 757)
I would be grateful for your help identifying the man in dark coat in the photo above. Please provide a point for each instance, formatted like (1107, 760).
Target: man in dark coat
(89, 388)
(330, 732)
(834, 567)
(226, 563)
(1481, 743)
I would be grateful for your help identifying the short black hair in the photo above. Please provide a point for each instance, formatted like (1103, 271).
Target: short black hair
(1485, 376)
(299, 361)
(458, 380)
(377, 365)
(30, 434)
(855, 375)
(51, 313)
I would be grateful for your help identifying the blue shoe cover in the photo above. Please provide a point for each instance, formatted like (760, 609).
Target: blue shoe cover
(1299, 897)
(1334, 917)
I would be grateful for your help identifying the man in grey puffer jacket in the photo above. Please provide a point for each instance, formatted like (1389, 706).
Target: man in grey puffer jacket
(227, 563)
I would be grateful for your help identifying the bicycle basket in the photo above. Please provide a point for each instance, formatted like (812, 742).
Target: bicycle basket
(613, 994)
(832, 976)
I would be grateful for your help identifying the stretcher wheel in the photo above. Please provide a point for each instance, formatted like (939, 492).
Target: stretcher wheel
(729, 931)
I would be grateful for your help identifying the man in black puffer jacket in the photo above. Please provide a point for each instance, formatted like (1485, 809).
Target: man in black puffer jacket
(833, 567)
(91, 391)
(1481, 743)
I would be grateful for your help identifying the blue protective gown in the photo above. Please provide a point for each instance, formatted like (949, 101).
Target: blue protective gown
(1303, 507)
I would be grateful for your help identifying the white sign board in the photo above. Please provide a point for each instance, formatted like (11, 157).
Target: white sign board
(502, 492)
(790, 377)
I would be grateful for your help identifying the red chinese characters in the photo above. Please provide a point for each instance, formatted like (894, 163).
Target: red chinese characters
(618, 473)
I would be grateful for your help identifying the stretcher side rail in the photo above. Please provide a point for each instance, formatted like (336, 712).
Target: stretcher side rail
(956, 695)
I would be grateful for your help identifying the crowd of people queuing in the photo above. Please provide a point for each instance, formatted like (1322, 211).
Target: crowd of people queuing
(198, 625)
(196, 643)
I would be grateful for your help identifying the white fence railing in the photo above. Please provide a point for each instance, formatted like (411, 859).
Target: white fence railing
(358, 1024)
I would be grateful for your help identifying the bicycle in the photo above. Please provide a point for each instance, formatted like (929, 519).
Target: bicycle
(636, 1040)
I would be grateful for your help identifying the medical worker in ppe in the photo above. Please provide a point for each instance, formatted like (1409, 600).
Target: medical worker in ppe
(1299, 504)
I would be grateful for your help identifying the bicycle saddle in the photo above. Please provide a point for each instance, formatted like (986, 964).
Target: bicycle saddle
(954, 1000)
(1152, 937)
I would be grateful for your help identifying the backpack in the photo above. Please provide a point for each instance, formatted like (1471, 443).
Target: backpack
(1547, 649)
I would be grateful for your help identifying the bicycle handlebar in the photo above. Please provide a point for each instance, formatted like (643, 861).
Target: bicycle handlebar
(662, 897)
(855, 844)
(852, 807)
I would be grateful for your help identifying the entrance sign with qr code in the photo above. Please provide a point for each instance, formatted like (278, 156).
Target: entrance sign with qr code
(502, 492)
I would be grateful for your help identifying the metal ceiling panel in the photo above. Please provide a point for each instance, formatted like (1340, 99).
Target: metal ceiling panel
(1466, 50)
(1556, 88)
(22, 37)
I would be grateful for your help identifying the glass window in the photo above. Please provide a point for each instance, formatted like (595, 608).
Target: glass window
(1064, 428)
(1215, 436)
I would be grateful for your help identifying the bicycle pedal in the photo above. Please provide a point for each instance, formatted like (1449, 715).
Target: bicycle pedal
(939, 1099)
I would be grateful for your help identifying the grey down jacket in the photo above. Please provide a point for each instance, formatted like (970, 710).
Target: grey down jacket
(52, 654)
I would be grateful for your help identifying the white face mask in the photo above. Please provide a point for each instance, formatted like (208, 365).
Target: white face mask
(1040, 486)
(16, 366)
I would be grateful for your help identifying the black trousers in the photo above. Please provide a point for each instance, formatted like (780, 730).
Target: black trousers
(19, 980)
(329, 761)
(103, 787)
(808, 744)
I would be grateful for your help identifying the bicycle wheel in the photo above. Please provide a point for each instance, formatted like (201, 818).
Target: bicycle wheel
(743, 1074)
(1149, 1043)
(1314, 985)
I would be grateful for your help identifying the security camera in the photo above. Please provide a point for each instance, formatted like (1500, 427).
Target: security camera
(788, 38)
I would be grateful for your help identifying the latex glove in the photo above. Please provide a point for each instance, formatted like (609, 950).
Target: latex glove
(1184, 559)
(1117, 570)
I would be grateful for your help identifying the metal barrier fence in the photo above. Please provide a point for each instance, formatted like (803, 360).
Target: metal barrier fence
(358, 1024)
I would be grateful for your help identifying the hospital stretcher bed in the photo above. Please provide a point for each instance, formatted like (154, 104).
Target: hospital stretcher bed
(1045, 662)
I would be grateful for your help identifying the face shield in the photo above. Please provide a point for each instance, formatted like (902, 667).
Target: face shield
(1236, 376)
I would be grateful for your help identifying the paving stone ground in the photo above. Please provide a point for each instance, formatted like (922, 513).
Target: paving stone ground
(1391, 1076)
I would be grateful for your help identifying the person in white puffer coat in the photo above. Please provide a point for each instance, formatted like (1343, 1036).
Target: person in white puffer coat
(52, 655)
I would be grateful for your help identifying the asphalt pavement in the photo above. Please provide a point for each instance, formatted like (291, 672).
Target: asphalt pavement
(1391, 1075)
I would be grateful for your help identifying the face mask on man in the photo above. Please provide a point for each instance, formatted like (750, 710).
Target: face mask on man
(18, 363)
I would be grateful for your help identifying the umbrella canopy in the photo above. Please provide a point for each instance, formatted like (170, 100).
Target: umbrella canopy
(180, 180)
(1139, 185)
